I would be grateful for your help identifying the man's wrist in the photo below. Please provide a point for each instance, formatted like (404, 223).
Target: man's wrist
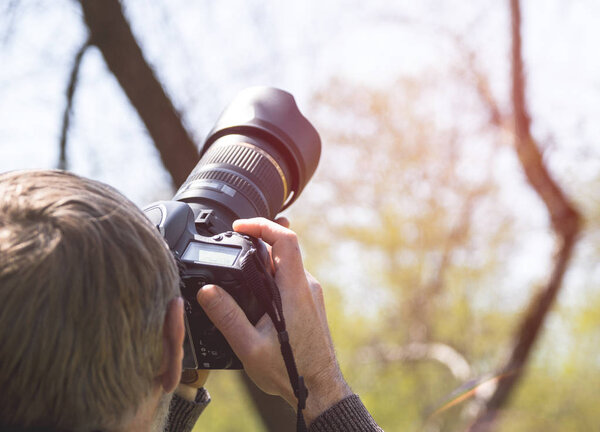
(324, 392)
(186, 392)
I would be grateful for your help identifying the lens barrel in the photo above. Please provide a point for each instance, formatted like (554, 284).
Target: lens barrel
(257, 159)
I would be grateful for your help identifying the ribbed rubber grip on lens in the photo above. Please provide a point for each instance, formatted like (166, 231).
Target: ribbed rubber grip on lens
(268, 177)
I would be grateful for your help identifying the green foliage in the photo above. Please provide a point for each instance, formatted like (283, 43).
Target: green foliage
(231, 409)
(562, 386)
(422, 256)
(404, 228)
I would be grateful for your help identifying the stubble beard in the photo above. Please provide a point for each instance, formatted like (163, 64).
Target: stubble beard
(162, 412)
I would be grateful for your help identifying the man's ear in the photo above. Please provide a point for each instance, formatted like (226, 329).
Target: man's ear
(173, 334)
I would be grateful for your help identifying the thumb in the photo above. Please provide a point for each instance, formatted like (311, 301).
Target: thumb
(229, 318)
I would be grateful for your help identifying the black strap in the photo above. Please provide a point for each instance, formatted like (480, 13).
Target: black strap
(267, 293)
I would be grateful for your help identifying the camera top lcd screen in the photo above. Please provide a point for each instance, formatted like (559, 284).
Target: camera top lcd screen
(211, 254)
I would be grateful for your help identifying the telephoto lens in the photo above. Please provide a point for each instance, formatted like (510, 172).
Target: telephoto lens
(256, 160)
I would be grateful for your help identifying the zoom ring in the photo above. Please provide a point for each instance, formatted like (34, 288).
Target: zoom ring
(259, 179)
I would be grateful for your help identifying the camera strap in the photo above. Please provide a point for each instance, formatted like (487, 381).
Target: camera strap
(267, 293)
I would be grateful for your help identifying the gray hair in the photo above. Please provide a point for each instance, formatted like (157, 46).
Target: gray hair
(84, 283)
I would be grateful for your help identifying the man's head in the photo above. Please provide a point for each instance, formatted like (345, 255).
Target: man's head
(85, 283)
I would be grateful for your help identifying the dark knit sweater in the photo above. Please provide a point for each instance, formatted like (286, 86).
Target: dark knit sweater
(183, 413)
(348, 415)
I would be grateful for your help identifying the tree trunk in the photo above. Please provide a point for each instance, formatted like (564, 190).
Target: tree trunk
(565, 221)
(110, 32)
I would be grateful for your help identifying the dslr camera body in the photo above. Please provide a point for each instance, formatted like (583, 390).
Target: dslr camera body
(255, 162)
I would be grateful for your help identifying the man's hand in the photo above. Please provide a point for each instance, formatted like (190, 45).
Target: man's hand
(304, 312)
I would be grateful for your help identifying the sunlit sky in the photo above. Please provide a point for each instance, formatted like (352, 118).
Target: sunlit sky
(205, 52)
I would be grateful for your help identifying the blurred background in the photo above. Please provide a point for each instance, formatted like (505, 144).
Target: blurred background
(454, 217)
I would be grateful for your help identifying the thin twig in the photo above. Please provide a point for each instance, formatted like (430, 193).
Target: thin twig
(442, 353)
(66, 122)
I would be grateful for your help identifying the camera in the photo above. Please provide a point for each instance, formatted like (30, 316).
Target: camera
(255, 162)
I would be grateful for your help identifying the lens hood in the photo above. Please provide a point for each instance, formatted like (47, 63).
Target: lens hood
(272, 115)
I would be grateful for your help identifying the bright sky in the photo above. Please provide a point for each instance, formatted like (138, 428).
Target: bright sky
(206, 51)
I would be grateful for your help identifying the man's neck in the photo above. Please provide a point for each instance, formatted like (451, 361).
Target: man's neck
(150, 416)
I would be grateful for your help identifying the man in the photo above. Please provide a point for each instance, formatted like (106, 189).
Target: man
(92, 326)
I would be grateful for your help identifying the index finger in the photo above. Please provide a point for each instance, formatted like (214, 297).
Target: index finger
(283, 241)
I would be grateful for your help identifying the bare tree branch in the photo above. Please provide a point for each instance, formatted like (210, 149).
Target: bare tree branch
(473, 68)
(110, 32)
(495, 115)
(457, 236)
(565, 221)
(442, 353)
(72, 85)
(9, 13)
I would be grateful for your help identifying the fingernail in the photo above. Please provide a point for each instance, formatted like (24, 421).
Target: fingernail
(201, 292)
(203, 295)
